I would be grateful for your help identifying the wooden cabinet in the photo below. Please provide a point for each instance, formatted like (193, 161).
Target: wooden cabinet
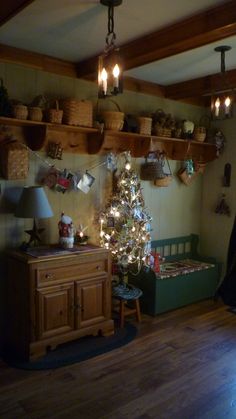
(58, 298)
(91, 141)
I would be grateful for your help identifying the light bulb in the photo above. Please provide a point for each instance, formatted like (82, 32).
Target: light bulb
(116, 73)
(227, 105)
(104, 80)
(217, 106)
(128, 166)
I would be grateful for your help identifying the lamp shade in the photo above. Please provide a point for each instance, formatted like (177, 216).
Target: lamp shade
(33, 203)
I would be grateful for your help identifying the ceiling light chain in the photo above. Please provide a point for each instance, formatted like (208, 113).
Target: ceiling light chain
(109, 63)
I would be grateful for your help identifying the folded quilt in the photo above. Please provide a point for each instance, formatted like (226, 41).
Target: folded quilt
(182, 267)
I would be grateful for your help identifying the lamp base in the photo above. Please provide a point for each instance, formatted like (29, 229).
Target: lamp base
(34, 234)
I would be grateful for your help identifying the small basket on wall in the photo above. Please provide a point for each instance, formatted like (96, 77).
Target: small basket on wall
(167, 179)
(152, 169)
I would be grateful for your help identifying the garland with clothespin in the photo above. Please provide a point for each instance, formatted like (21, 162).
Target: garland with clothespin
(63, 180)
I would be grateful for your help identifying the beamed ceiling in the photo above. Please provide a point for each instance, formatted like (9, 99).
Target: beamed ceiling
(167, 47)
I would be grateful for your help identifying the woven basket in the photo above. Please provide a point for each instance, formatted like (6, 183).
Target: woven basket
(113, 120)
(164, 182)
(14, 161)
(144, 125)
(152, 169)
(35, 114)
(161, 131)
(199, 134)
(20, 111)
(54, 115)
(77, 112)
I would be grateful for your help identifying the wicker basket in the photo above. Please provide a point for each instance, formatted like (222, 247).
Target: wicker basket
(35, 114)
(144, 125)
(152, 169)
(166, 180)
(14, 161)
(163, 182)
(199, 134)
(113, 120)
(20, 111)
(77, 112)
(54, 115)
(161, 131)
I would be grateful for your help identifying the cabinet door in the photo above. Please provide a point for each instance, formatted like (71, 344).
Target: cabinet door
(92, 301)
(54, 310)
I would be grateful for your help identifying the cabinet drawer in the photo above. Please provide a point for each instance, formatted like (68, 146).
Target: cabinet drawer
(53, 274)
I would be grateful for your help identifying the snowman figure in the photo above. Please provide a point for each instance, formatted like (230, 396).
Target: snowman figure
(66, 232)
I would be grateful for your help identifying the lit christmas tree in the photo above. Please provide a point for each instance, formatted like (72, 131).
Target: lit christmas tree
(125, 224)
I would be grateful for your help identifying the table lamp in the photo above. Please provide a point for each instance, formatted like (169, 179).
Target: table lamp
(33, 203)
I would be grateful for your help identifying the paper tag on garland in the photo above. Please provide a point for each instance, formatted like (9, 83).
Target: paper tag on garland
(85, 182)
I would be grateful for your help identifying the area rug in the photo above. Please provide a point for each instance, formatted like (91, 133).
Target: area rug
(79, 350)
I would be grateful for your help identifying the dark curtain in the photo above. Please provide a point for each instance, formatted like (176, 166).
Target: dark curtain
(227, 289)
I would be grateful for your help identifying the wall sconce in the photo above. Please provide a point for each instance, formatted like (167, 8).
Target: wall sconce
(110, 63)
(222, 100)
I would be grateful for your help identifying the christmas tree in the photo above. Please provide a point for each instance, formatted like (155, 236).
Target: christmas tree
(125, 224)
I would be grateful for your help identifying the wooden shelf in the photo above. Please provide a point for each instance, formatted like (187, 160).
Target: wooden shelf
(92, 141)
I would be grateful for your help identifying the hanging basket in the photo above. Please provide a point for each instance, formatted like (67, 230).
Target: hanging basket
(165, 181)
(14, 160)
(152, 169)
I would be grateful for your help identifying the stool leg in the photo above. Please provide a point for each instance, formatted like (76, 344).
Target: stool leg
(138, 314)
(122, 313)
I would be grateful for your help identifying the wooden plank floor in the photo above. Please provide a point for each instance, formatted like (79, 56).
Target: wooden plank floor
(182, 365)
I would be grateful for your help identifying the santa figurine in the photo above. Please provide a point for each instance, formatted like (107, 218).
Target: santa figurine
(66, 231)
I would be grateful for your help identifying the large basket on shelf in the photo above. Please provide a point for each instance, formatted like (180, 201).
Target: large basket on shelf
(77, 112)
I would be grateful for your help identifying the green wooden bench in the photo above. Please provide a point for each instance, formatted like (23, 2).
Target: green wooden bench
(179, 283)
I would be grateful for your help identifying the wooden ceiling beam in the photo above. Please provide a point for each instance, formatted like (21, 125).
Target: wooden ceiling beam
(203, 28)
(10, 8)
(200, 86)
(37, 61)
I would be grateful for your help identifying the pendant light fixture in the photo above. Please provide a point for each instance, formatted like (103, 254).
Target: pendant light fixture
(109, 62)
(222, 100)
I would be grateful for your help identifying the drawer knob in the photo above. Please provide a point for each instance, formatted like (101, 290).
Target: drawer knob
(98, 267)
(48, 276)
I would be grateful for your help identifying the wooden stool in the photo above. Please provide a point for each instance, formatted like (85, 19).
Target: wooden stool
(125, 294)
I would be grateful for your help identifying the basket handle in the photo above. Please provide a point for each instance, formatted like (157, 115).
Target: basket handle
(110, 100)
(207, 120)
(168, 164)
